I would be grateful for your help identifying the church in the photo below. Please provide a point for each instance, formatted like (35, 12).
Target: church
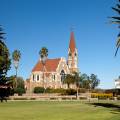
(55, 69)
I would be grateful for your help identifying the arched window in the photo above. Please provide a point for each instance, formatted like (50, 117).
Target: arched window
(37, 77)
(62, 75)
(75, 54)
(33, 77)
(70, 54)
(53, 77)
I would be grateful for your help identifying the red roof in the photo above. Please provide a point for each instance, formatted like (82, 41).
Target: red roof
(72, 45)
(50, 65)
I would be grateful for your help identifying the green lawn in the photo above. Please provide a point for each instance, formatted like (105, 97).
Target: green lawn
(67, 110)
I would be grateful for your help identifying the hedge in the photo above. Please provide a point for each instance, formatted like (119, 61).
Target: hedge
(101, 95)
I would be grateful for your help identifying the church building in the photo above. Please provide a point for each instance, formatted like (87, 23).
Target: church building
(55, 69)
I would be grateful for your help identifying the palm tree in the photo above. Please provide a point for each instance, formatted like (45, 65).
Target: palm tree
(43, 55)
(16, 55)
(68, 80)
(116, 20)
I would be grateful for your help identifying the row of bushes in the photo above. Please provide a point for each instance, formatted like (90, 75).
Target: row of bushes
(101, 95)
(51, 90)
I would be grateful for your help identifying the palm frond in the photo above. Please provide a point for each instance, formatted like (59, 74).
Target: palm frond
(118, 6)
(117, 18)
(116, 51)
(116, 9)
(115, 22)
(117, 44)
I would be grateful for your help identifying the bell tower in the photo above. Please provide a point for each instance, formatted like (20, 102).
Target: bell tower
(72, 55)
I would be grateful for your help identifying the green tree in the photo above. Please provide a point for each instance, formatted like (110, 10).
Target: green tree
(84, 81)
(69, 79)
(94, 81)
(5, 63)
(4, 57)
(20, 89)
(116, 20)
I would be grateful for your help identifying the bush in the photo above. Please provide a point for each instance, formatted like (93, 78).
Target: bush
(59, 90)
(118, 98)
(70, 92)
(101, 95)
(82, 90)
(39, 90)
(52, 90)
(20, 91)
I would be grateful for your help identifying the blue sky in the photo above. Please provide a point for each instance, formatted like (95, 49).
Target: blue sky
(31, 24)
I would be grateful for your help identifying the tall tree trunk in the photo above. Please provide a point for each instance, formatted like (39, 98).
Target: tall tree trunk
(16, 77)
(77, 97)
(44, 77)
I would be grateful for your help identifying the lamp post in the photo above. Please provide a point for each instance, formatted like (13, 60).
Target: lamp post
(43, 60)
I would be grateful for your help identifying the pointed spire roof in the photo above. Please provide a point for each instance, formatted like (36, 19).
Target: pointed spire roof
(72, 45)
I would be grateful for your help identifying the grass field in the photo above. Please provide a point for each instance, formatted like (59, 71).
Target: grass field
(55, 110)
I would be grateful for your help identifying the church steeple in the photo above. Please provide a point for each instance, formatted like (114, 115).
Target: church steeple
(72, 45)
(72, 54)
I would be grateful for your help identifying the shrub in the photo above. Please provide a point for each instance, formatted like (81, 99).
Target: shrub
(52, 90)
(101, 95)
(20, 91)
(118, 98)
(82, 90)
(39, 90)
(70, 92)
(59, 90)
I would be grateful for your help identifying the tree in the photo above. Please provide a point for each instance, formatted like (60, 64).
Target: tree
(116, 20)
(69, 79)
(16, 55)
(20, 89)
(84, 81)
(5, 63)
(94, 81)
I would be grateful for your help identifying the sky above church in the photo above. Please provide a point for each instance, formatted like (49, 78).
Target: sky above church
(32, 24)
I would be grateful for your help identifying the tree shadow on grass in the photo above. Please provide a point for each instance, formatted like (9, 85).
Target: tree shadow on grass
(115, 107)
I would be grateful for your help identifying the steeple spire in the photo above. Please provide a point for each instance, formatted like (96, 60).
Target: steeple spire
(72, 54)
(72, 45)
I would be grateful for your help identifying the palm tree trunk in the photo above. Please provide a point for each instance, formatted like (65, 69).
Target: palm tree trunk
(16, 77)
(44, 77)
(77, 94)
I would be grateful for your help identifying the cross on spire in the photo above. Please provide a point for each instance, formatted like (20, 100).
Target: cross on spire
(72, 28)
